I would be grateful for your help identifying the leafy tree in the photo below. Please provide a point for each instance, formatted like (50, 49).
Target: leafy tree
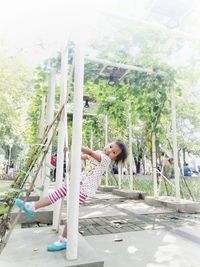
(16, 92)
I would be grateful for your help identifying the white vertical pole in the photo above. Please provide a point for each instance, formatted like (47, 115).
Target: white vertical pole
(122, 173)
(154, 172)
(106, 142)
(106, 129)
(119, 176)
(61, 137)
(145, 164)
(73, 211)
(91, 139)
(182, 163)
(41, 122)
(50, 116)
(175, 150)
(130, 149)
(38, 182)
(67, 159)
(9, 158)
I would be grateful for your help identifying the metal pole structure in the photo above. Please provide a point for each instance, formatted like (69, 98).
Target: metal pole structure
(61, 137)
(73, 208)
(49, 119)
(106, 142)
(91, 139)
(130, 149)
(122, 173)
(10, 151)
(38, 182)
(155, 185)
(175, 150)
(41, 122)
(119, 176)
(67, 159)
(145, 164)
(120, 65)
(152, 25)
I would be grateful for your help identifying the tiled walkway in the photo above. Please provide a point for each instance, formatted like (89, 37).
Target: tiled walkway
(119, 224)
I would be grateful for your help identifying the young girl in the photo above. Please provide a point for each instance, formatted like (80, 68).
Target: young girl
(96, 164)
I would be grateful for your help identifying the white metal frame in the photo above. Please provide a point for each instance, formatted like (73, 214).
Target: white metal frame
(154, 167)
(175, 150)
(106, 142)
(39, 179)
(121, 65)
(77, 141)
(61, 136)
(50, 116)
(130, 149)
(73, 205)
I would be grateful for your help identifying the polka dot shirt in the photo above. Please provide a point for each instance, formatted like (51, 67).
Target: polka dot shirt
(92, 173)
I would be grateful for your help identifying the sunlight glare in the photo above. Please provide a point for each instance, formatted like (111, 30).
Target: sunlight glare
(132, 249)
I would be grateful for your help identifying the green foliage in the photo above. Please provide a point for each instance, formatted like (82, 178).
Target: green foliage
(148, 96)
(40, 85)
(40, 88)
(15, 91)
(17, 187)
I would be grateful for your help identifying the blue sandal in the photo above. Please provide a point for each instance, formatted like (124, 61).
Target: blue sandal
(57, 246)
(26, 208)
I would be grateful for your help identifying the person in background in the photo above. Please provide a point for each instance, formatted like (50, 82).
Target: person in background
(186, 170)
(53, 163)
(11, 170)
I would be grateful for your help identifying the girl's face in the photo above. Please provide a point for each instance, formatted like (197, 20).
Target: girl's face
(112, 150)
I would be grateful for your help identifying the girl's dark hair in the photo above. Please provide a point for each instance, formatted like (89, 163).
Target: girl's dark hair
(124, 152)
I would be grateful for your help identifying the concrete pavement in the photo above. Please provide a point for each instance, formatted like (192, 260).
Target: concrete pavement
(118, 232)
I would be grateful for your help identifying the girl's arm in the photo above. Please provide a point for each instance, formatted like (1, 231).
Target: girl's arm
(91, 153)
(84, 157)
(87, 152)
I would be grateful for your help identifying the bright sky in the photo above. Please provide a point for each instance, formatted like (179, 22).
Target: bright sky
(38, 28)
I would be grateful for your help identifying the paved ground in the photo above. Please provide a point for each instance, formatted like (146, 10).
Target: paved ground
(120, 224)
(124, 233)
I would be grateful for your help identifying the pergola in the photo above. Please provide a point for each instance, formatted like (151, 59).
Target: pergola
(73, 202)
(116, 70)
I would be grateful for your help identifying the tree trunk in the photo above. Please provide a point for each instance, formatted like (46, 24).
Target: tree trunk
(184, 162)
(137, 165)
(144, 165)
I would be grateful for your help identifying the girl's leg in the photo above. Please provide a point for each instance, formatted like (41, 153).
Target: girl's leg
(43, 202)
(57, 194)
(30, 208)
(64, 233)
(82, 199)
(52, 198)
(61, 243)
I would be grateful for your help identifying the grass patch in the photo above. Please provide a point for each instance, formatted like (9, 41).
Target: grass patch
(189, 189)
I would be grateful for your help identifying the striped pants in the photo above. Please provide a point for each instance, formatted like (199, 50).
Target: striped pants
(62, 192)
